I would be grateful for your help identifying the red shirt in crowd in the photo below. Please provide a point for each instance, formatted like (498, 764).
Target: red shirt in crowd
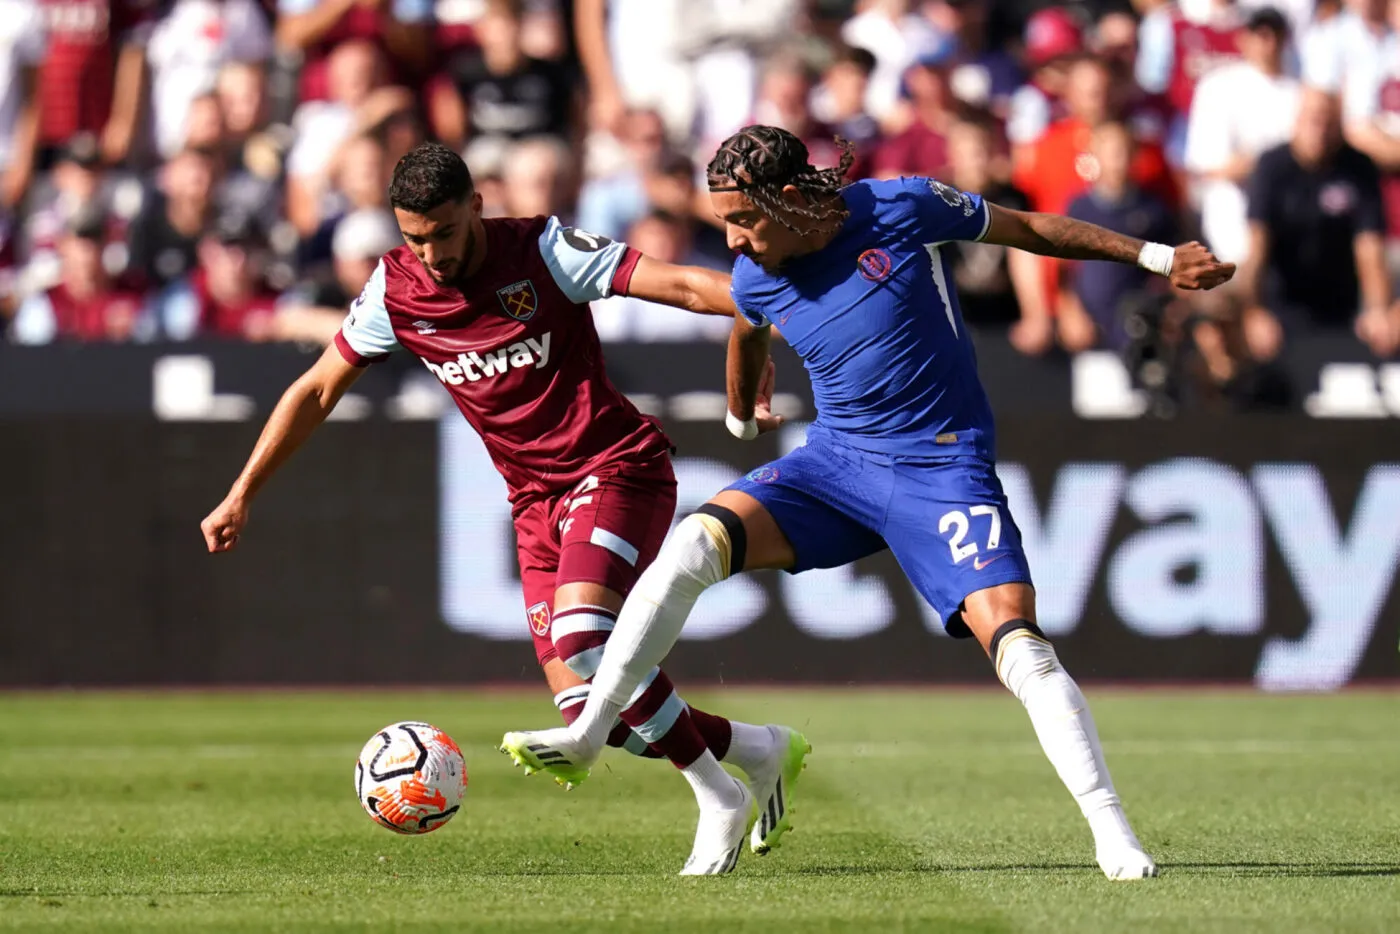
(78, 73)
(919, 150)
(246, 319)
(1198, 48)
(108, 315)
(1060, 168)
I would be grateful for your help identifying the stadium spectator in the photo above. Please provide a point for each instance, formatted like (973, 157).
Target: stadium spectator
(1351, 44)
(1091, 311)
(78, 184)
(839, 100)
(609, 204)
(1053, 40)
(726, 43)
(22, 48)
(997, 287)
(536, 176)
(984, 75)
(1316, 249)
(667, 238)
(93, 77)
(921, 148)
(1239, 111)
(354, 72)
(204, 125)
(498, 90)
(314, 309)
(314, 29)
(361, 238)
(1218, 372)
(9, 271)
(253, 151)
(225, 295)
(897, 37)
(1371, 111)
(188, 47)
(784, 100)
(1059, 166)
(1114, 42)
(164, 236)
(1179, 43)
(86, 304)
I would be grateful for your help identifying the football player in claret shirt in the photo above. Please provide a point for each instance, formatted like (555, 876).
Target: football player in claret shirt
(902, 453)
(497, 309)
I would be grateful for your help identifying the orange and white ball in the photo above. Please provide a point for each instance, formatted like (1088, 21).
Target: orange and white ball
(410, 777)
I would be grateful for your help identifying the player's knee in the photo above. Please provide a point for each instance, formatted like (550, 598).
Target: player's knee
(701, 552)
(1020, 652)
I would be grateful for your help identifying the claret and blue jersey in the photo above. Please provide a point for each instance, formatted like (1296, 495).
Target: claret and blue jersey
(875, 319)
(901, 454)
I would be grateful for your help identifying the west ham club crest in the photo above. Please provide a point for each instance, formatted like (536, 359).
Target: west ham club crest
(519, 300)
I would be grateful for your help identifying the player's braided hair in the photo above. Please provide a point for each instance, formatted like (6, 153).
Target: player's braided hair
(761, 160)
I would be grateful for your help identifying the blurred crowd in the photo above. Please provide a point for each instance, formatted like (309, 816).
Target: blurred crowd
(172, 169)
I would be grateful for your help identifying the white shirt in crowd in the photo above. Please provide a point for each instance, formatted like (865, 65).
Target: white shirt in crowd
(21, 47)
(1336, 49)
(1237, 110)
(188, 48)
(896, 44)
(1361, 96)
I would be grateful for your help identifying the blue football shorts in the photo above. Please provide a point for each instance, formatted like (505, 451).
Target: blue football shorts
(946, 519)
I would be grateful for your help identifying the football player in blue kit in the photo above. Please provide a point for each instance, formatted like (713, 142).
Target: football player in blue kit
(901, 454)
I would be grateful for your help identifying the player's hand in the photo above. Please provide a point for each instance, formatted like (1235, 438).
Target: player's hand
(222, 526)
(1195, 267)
(763, 404)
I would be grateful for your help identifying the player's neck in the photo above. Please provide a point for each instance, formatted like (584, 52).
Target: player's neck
(826, 232)
(476, 255)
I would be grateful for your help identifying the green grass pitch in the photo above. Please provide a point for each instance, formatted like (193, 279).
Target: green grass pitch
(921, 811)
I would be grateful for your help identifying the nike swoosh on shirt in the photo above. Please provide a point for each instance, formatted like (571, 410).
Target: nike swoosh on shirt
(979, 564)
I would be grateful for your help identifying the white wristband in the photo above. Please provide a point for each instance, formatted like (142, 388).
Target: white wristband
(743, 430)
(1156, 257)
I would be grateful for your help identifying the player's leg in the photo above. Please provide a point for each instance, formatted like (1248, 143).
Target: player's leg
(1002, 619)
(959, 545)
(750, 526)
(612, 527)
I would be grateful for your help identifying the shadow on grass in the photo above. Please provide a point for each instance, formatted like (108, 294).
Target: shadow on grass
(1294, 870)
(157, 893)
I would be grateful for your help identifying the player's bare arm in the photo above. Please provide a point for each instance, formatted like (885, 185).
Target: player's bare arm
(303, 407)
(1188, 266)
(703, 291)
(749, 380)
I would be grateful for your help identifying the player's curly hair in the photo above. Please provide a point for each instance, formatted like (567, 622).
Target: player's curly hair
(427, 176)
(761, 160)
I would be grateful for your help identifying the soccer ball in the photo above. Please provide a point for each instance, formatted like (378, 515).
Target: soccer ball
(410, 777)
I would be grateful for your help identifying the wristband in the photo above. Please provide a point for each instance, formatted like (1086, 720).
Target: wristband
(1156, 257)
(743, 430)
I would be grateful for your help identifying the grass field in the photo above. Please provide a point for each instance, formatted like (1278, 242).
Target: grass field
(921, 811)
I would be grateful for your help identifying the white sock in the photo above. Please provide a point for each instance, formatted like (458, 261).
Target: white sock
(1029, 667)
(749, 746)
(714, 787)
(694, 557)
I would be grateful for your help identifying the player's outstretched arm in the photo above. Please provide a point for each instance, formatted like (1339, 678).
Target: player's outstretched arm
(749, 380)
(1188, 266)
(703, 291)
(304, 405)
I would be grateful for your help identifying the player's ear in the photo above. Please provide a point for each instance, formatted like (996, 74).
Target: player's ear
(478, 203)
(794, 196)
